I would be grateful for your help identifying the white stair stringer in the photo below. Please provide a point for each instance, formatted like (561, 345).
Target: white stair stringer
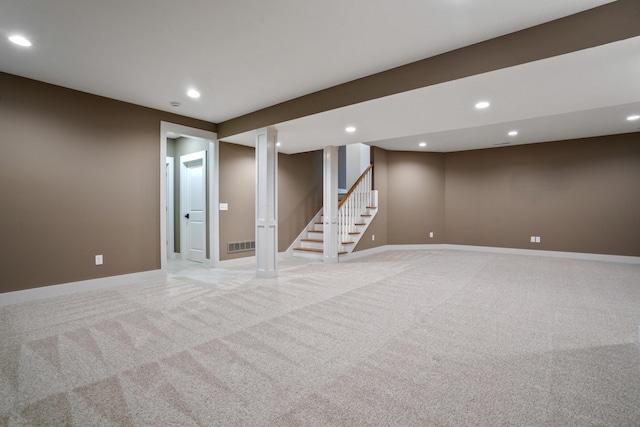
(359, 228)
(314, 227)
(309, 243)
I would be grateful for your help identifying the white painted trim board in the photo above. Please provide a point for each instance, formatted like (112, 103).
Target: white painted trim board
(51, 291)
(513, 251)
(108, 282)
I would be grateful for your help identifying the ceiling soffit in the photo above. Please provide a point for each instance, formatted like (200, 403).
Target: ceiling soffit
(569, 34)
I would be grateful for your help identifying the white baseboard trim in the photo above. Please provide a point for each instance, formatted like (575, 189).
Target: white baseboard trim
(491, 249)
(17, 297)
(553, 254)
(385, 248)
(34, 294)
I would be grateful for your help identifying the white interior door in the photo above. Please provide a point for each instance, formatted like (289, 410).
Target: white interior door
(193, 201)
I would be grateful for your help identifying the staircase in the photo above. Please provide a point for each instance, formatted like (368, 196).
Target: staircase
(356, 210)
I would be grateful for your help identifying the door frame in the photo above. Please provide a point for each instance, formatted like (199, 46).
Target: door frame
(170, 238)
(185, 160)
(212, 188)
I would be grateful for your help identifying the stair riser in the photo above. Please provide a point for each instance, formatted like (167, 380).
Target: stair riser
(312, 245)
(315, 231)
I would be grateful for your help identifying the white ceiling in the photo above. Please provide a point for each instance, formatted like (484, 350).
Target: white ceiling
(244, 55)
(543, 100)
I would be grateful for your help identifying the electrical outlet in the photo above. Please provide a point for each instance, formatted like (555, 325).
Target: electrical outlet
(99, 260)
(431, 234)
(533, 239)
(537, 239)
(373, 237)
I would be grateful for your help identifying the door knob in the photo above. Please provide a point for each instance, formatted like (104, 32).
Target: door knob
(187, 216)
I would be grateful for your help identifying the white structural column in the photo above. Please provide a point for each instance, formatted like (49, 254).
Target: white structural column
(266, 203)
(330, 200)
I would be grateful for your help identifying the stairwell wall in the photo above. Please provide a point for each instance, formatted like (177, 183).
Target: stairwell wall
(378, 226)
(416, 197)
(299, 195)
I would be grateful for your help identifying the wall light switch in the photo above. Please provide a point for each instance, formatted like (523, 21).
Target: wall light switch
(99, 260)
(373, 237)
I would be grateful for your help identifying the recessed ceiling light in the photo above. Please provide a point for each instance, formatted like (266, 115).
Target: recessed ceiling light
(19, 40)
(482, 105)
(350, 129)
(634, 117)
(513, 133)
(193, 93)
(423, 144)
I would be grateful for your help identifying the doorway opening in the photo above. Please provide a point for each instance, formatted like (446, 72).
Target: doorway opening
(177, 144)
(169, 209)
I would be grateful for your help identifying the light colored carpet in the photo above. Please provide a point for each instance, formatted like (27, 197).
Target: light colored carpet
(434, 337)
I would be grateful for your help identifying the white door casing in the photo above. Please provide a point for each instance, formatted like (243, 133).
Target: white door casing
(193, 206)
(169, 208)
(169, 130)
